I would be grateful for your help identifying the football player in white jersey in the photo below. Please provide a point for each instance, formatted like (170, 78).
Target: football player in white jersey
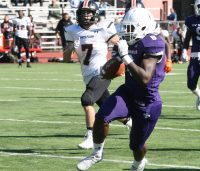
(90, 41)
(22, 31)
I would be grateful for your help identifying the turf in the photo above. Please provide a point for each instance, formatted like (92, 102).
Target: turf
(41, 123)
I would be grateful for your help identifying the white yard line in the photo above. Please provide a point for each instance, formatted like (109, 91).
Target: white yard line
(42, 79)
(78, 102)
(79, 90)
(106, 160)
(115, 125)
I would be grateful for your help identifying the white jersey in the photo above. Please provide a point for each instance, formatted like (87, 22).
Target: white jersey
(91, 46)
(21, 26)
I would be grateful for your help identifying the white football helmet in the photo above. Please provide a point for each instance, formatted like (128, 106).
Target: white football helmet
(136, 24)
(197, 7)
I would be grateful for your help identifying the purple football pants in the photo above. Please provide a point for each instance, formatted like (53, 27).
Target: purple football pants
(193, 73)
(121, 104)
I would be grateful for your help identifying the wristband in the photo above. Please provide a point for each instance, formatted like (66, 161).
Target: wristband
(127, 59)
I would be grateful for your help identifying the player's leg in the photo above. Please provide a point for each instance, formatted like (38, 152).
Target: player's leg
(94, 90)
(26, 47)
(18, 43)
(144, 123)
(126, 121)
(113, 108)
(193, 72)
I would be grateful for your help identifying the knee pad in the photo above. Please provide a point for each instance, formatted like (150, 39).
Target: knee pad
(86, 99)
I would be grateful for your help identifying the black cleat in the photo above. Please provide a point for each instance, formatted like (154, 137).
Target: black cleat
(19, 64)
(28, 65)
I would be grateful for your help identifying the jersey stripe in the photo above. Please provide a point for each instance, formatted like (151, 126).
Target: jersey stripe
(85, 4)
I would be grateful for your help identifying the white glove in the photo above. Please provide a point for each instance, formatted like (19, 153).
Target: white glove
(122, 48)
(184, 55)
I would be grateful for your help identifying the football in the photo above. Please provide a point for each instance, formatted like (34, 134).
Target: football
(113, 68)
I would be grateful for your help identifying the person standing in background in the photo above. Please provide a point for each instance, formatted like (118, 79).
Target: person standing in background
(22, 36)
(7, 30)
(60, 31)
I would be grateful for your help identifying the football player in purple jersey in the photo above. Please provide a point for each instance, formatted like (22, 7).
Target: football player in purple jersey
(193, 32)
(143, 53)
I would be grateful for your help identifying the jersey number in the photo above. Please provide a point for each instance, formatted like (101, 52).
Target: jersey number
(89, 48)
(198, 33)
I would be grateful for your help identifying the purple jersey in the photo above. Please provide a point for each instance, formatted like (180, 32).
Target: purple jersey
(150, 45)
(193, 24)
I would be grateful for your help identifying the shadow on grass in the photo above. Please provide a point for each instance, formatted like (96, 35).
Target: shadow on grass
(17, 150)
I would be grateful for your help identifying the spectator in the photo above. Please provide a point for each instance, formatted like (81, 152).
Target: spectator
(7, 30)
(178, 40)
(22, 33)
(32, 26)
(54, 12)
(173, 15)
(63, 23)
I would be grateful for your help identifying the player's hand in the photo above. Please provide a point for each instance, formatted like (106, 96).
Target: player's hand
(122, 48)
(184, 55)
(168, 66)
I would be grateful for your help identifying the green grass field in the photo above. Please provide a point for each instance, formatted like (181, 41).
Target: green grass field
(41, 123)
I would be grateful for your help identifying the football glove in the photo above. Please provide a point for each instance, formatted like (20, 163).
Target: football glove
(122, 48)
(123, 52)
(168, 66)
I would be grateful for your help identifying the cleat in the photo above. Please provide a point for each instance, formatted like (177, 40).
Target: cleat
(28, 65)
(19, 64)
(89, 161)
(87, 143)
(198, 104)
(140, 167)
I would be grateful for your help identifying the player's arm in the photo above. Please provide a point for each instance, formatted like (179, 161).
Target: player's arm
(168, 63)
(144, 72)
(114, 39)
(188, 36)
(186, 44)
